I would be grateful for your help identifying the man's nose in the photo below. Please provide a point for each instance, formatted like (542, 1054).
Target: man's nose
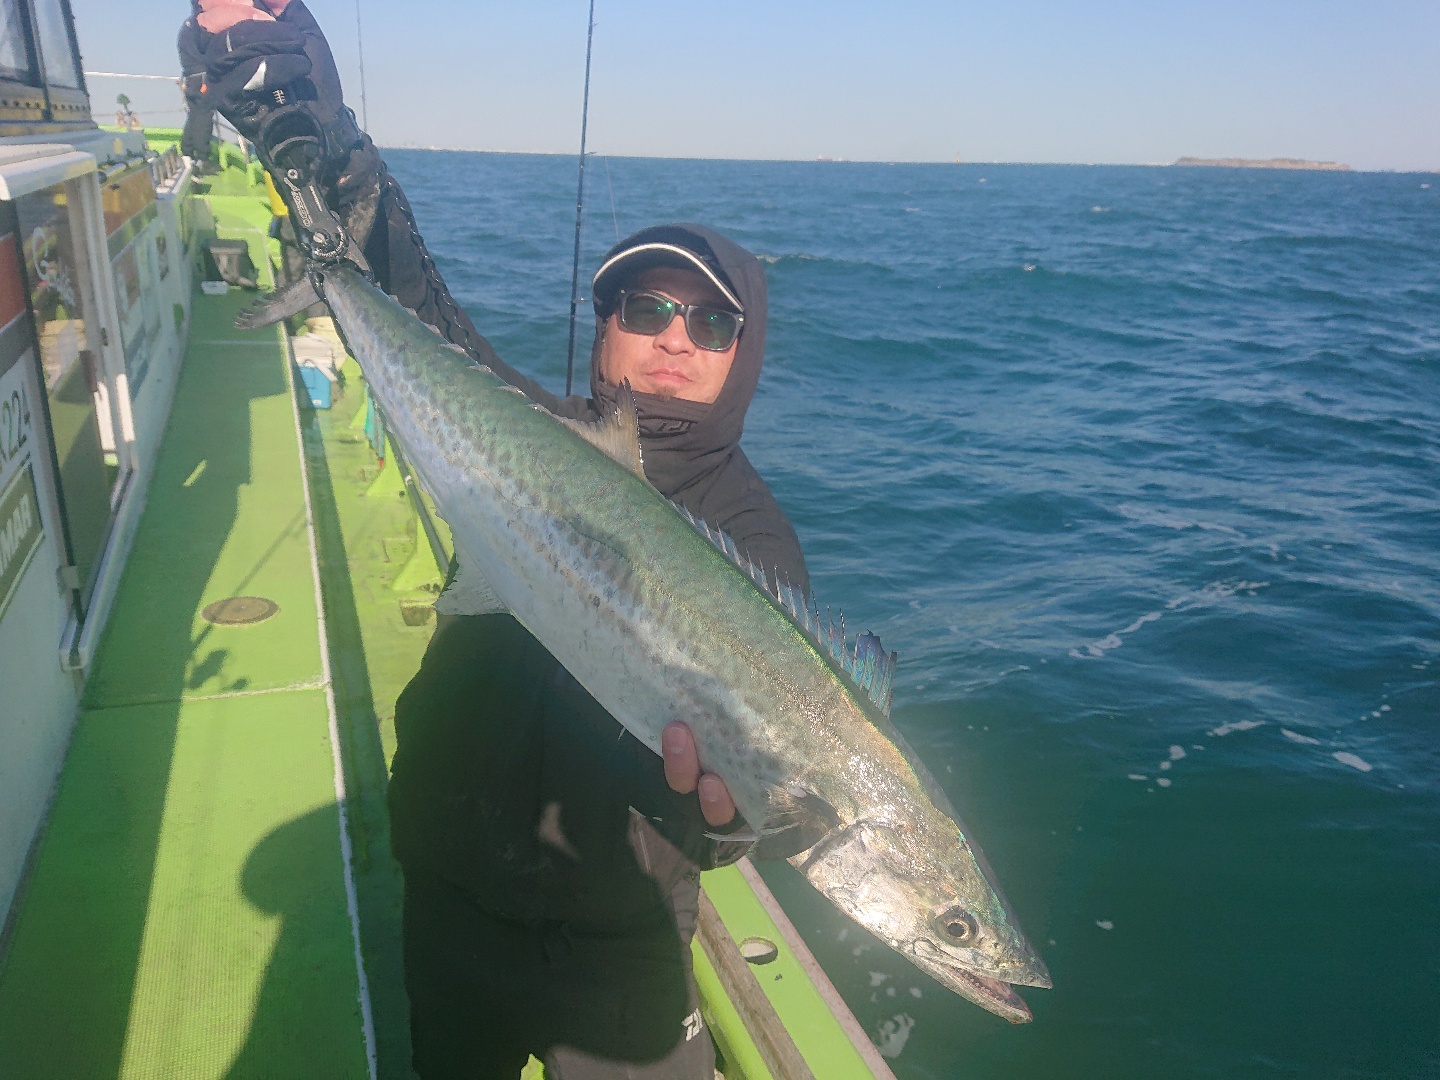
(675, 338)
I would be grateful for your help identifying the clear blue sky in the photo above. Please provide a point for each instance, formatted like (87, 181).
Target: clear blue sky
(912, 80)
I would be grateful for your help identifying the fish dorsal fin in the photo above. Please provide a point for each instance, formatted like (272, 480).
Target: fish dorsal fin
(617, 435)
(875, 670)
(866, 662)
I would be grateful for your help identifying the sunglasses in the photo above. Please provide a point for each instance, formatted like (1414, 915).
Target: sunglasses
(649, 313)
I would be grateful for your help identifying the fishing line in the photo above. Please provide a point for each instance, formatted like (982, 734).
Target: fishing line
(579, 206)
(613, 216)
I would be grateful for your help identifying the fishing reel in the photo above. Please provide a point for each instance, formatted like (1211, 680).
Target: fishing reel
(291, 144)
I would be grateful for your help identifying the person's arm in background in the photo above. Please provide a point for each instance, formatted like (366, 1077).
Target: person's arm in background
(255, 49)
(192, 59)
(195, 139)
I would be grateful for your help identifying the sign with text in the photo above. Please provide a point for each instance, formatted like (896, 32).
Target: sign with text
(17, 362)
(17, 420)
(21, 527)
(20, 533)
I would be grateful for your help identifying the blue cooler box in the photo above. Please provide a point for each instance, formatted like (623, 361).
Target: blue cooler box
(317, 386)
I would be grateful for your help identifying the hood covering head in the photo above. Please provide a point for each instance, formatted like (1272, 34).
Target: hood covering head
(686, 442)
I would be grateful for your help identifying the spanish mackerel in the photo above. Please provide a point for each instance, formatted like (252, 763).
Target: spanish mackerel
(662, 618)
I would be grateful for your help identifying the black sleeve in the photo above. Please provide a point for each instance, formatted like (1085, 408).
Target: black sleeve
(329, 101)
(770, 541)
(293, 54)
(191, 47)
(405, 269)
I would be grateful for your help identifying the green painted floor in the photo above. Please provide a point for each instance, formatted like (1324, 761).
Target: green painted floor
(186, 915)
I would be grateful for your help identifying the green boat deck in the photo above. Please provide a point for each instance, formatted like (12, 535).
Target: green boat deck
(188, 900)
(189, 912)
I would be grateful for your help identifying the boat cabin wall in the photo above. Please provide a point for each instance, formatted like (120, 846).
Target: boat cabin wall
(96, 267)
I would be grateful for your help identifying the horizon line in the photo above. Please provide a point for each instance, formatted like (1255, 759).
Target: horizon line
(897, 161)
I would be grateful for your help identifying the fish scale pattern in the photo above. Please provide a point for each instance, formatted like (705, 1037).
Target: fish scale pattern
(866, 661)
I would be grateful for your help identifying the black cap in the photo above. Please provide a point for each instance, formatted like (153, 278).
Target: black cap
(661, 246)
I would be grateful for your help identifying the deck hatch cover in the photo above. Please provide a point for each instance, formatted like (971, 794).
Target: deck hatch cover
(239, 611)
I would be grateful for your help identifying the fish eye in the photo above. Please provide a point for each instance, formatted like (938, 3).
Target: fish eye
(957, 926)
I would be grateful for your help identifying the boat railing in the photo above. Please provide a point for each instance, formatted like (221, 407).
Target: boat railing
(165, 167)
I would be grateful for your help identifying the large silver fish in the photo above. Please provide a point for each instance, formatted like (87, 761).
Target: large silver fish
(661, 618)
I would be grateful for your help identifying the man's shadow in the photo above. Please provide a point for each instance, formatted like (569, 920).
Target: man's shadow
(307, 1021)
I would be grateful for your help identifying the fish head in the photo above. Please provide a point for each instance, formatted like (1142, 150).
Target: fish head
(936, 904)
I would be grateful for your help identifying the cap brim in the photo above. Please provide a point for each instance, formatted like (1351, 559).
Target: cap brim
(642, 257)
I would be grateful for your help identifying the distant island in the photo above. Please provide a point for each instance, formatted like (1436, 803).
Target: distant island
(1266, 163)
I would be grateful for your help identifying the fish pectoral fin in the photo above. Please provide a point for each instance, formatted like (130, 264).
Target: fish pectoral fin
(469, 594)
(617, 436)
(280, 304)
(799, 819)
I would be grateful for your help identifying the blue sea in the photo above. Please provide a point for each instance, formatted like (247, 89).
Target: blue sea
(1139, 471)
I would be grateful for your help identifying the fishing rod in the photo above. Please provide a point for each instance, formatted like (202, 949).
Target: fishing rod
(579, 207)
(360, 48)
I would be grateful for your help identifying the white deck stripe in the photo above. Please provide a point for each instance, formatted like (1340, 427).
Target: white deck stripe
(352, 902)
(309, 684)
(269, 344)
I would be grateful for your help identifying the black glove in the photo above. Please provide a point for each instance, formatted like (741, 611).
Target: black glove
(255, 68)
(263, 77)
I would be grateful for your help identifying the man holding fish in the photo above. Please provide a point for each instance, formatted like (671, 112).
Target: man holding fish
(629, 601)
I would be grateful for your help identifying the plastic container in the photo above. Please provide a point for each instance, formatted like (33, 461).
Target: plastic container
(232, 263)
(317, 386)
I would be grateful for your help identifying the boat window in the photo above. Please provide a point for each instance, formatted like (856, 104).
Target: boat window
(53, 256)
(131, 233)
(56, 51)
(14, 52)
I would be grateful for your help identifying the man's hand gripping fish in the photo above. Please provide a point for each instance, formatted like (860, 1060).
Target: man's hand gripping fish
(661, 618)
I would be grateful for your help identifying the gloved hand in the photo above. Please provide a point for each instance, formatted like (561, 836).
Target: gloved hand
(274, 79)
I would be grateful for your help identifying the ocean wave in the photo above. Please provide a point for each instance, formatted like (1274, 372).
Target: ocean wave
(1177, 477)
(1207, 596)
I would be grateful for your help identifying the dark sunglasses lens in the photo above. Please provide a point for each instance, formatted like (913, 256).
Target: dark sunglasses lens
(712, 329)
(645, 313)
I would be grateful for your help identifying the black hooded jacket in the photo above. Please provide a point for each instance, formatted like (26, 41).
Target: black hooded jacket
(510, 781)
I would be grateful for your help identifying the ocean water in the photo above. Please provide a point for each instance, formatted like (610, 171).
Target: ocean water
(1139, 470)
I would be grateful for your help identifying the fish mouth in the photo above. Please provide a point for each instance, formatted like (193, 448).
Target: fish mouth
(1034, 973)
(989, 992)
(998, 997)
(1018, 964)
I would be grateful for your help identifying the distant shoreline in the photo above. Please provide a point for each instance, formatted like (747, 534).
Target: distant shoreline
(1272, 163)
(1265, 163)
